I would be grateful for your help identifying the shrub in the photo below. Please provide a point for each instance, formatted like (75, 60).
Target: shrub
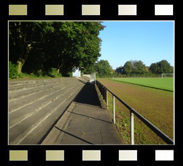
(21, 75)
(12, 70)
(53, 72)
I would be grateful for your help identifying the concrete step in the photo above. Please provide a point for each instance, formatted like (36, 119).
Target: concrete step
(33, 96)
(21, 94)
(22, 113)
(33, 129)
(25, 92)
(30, 86)
(32, 81)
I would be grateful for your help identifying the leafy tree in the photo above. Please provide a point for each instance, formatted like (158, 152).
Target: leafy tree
(161, 67)
(164, 66)
(37, 46)
(139, 67)
(134, 67)
(154, 68)
(23, 37)
(128, 68)
(103, 68)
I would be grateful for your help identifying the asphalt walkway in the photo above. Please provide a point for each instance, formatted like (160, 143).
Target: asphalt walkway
(84, 122)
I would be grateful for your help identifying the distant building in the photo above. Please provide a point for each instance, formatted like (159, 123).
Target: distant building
(76, 72)
(119, 69)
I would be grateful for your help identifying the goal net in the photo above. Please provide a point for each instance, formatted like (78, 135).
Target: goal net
(163, 75)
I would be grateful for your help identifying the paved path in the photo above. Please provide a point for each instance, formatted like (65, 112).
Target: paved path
(84, 122)
(35, 105)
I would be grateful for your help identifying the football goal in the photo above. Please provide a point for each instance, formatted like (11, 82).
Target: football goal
(163, 75)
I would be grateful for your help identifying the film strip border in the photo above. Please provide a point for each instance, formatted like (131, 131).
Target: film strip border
(90, 10)
(90, 155)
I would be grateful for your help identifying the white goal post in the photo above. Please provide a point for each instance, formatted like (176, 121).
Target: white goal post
(167, 75)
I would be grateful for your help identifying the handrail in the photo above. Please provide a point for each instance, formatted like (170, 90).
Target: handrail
(162, 135)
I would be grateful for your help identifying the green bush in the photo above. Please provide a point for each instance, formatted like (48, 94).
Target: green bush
(12, 70)
(21, 75)
(69, 74)
(54, 73)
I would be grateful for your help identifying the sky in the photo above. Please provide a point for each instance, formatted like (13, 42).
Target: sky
(148, 41)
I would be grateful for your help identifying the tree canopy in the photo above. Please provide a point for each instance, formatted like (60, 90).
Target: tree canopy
(134, 67)
(103, 68)
(40, 46)
(161, 67)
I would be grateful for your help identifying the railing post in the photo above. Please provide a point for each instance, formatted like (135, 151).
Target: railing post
(132, 127)
(104, 95)
(113, 100)
(102, 91)
(106, 98)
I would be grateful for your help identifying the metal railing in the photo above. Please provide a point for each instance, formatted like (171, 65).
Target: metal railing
(104, 92)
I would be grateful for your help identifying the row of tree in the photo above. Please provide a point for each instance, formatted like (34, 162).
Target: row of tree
(135, 67)
(130, 68)
(40, 46)
(161, 67)
(138, 67)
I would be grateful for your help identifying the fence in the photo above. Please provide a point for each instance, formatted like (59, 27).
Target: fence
(104, 92)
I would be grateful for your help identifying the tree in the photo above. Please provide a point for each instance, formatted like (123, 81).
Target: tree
(128, 68)
(154, 68)
(164, 66)
(134, 67)
(161, 67)
(61, 45)
(139, 67)
(23, 37)
(103, 68)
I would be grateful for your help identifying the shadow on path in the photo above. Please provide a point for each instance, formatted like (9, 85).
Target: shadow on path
(74, 136)
(84, 122)
(88, 95)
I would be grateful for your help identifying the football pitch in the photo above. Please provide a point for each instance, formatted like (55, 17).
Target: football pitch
(158, 83)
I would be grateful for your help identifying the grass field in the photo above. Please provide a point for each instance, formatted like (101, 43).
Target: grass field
(159, 83)
(154, 104)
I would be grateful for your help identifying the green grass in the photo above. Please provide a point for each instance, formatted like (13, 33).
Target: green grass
(158, 83)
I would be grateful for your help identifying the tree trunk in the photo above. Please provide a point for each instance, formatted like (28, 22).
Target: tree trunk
(58, 70)
(19, 66)
(24, 56)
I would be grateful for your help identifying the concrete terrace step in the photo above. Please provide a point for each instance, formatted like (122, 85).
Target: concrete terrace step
(27, 91)
(32, 81)
(21, 94)
(36, 127)
(34, 96)
(29, 109)
(37, 85)
(38, 109)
